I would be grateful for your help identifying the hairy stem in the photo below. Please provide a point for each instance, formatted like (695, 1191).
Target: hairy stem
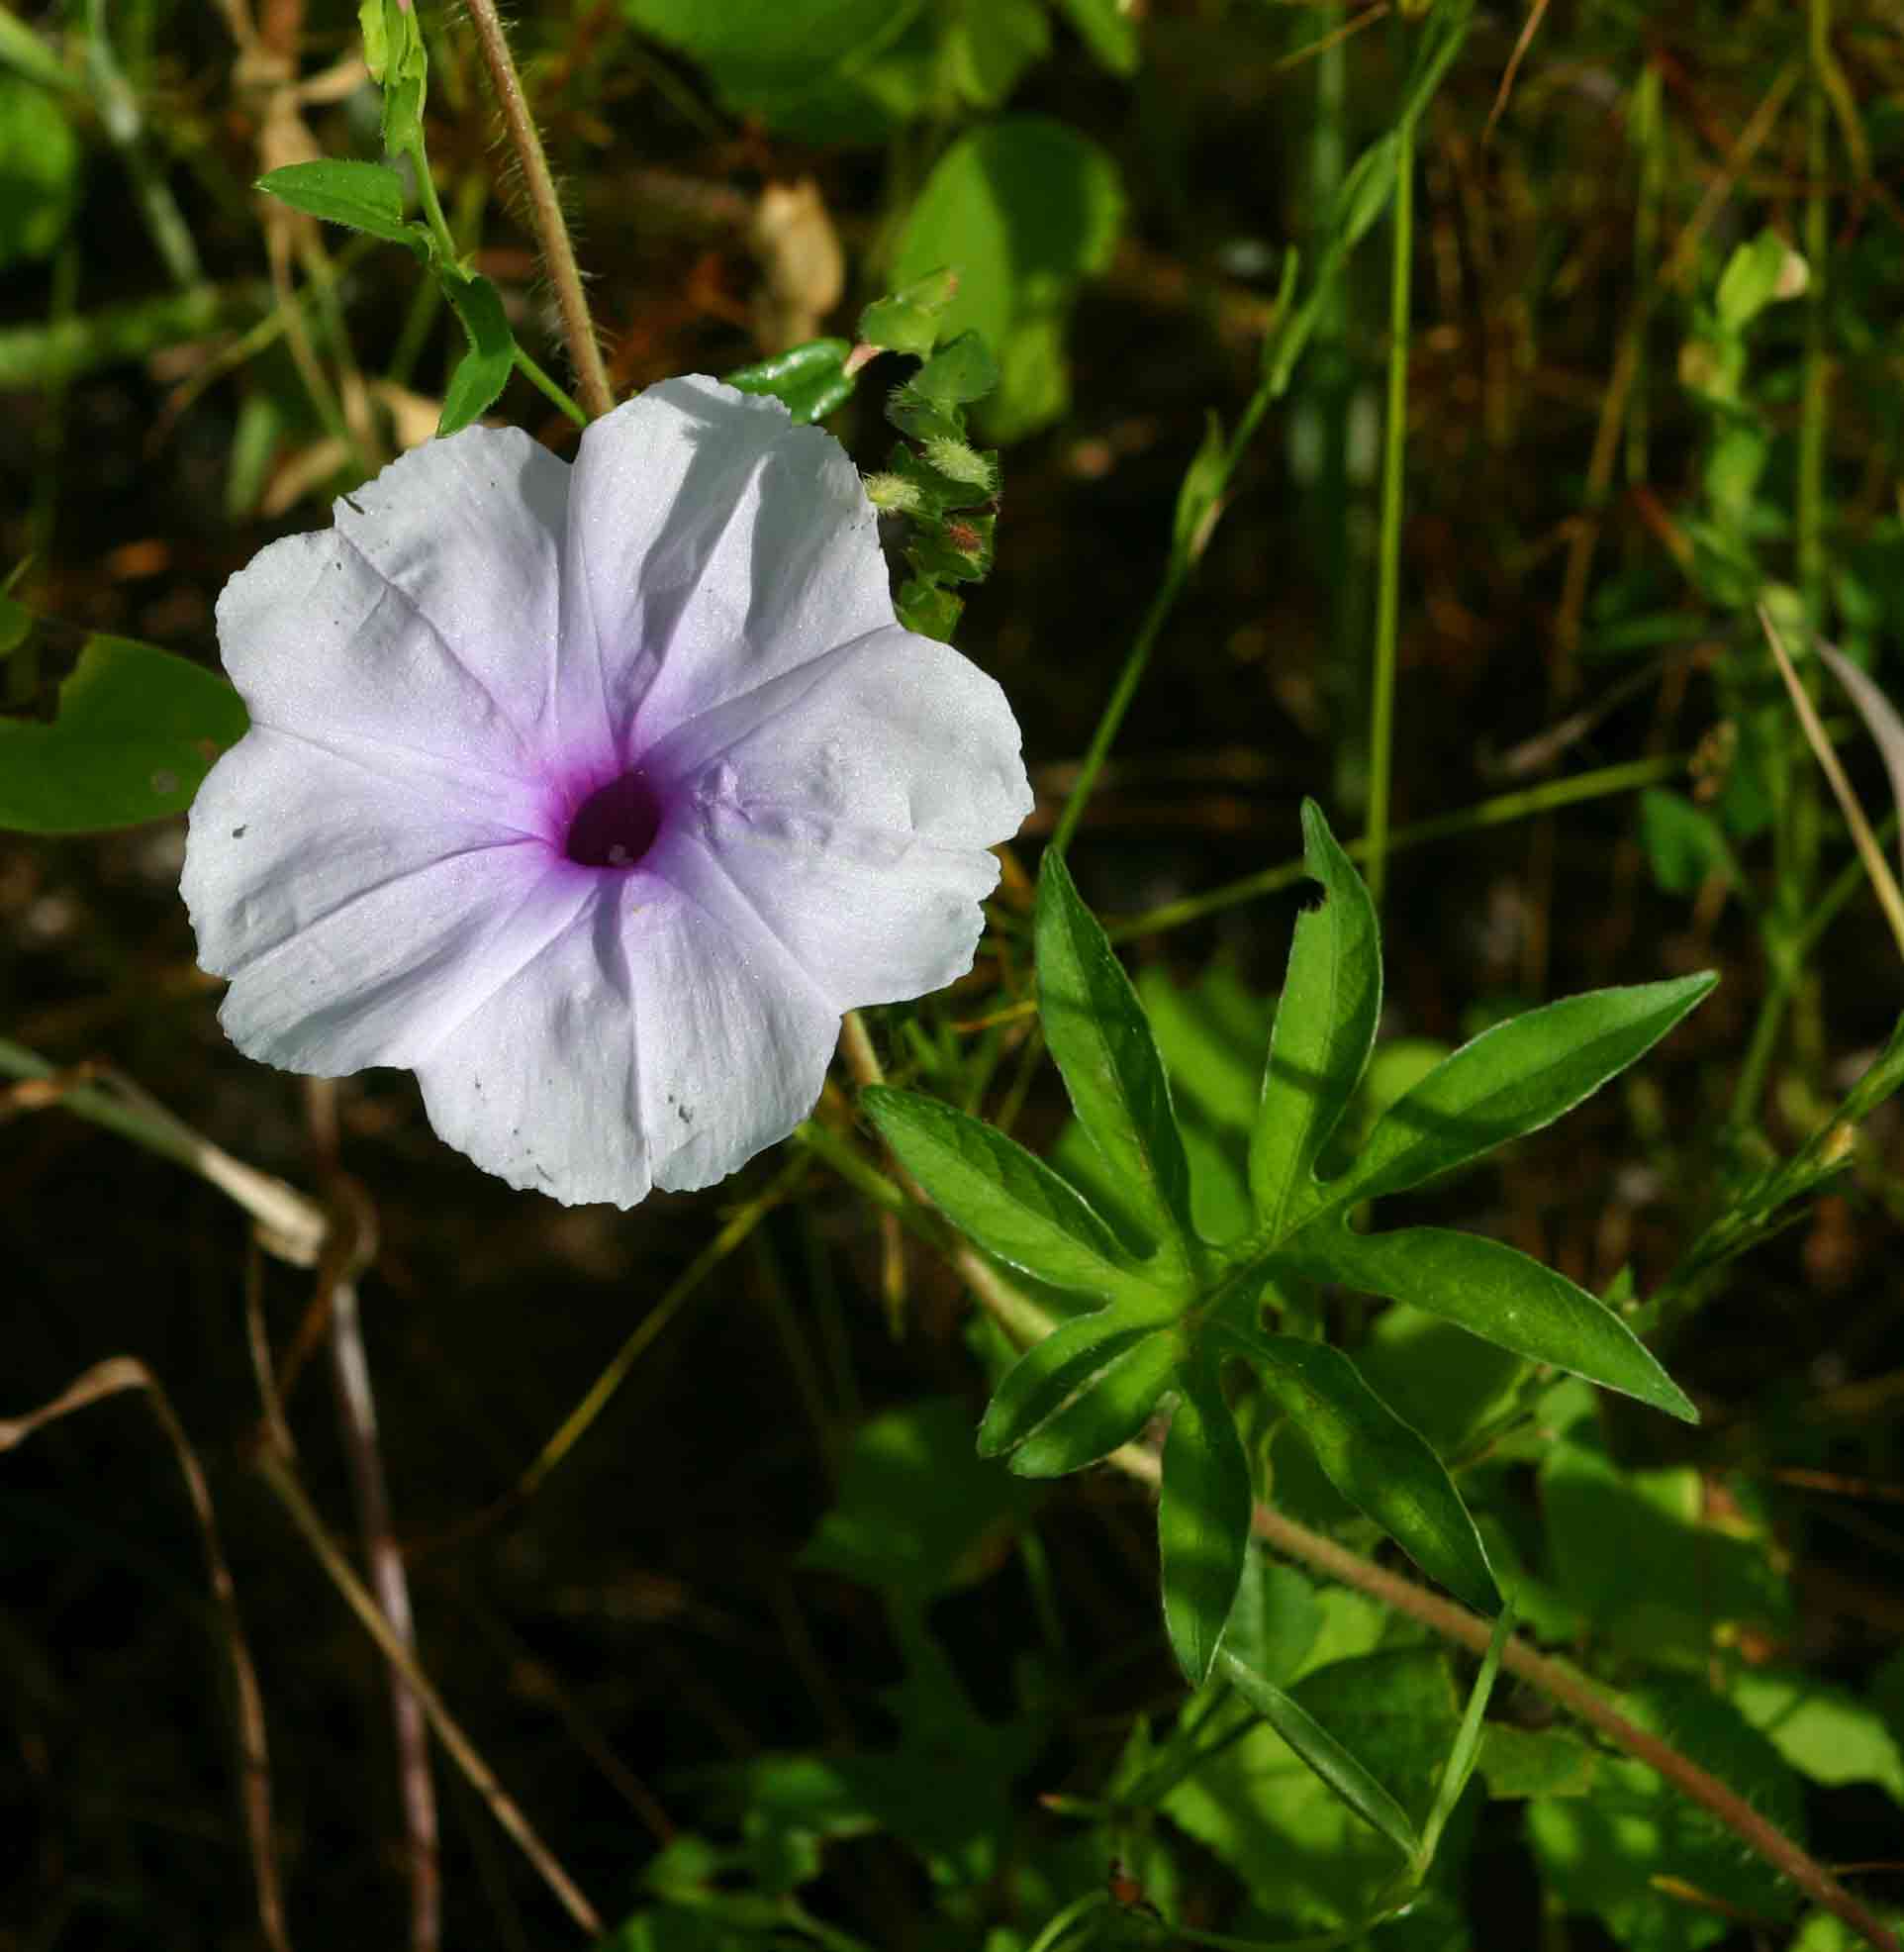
(545, 210)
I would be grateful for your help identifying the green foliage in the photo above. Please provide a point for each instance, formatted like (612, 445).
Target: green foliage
(135, 732)
(484, 370)
(1025, 208)
(1176, 1309)
(363, 196)
(1605, 1853)
(808, 380)
(38, 170)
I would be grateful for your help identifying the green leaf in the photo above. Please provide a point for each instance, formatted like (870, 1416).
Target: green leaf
(1198, 494)
(1513, 1080)
(1636, 1553)
(23, 52)
(908, 319)
(1333, 1765)
(1821, 1731)
(931, 612)
(1101, 1040)
(916, 1506)
(1498, 1294)
(1203, 1519)
(959, 372)
(808, 380)
(1052, 1374)
(1324, 1030)
(365, 196)
(1605, 1853)
(1109, 28)
(1755, 275)
(137, 731)
(1685, 844)
(1005, 1198)
(38, 168)
(1308, 1860)
(484, 370)
(394, 52)
(1111, 1412)
(1374, 1460)
(1025, 208)
(1518, 1762)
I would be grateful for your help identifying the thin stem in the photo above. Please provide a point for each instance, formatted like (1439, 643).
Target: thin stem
(291, 1495)
(1810, 508)
(547, 387)
(1500, 811)
(1128, 679)
(545, 210)
(1381, 702)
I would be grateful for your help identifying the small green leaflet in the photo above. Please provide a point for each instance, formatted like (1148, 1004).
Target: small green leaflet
(810, 380)
(365, 196)
(483, 371)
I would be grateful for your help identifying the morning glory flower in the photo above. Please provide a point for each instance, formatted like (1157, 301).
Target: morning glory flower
(594, 795)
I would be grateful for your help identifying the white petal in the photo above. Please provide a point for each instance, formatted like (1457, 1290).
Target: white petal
(420, 631)
(645, 1045)
(713, 546)
(894, 731)
(282, 831)
(373, 937)
(873, 917)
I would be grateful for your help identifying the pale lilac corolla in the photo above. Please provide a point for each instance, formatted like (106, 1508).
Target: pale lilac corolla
(593, 795)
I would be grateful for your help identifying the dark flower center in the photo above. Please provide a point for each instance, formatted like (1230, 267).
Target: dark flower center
(616, 825)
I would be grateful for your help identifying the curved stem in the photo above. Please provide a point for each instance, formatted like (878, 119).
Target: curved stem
(559, 255)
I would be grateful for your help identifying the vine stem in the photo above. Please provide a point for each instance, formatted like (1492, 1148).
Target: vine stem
(1026, 1321)
(545, 210)
(1381, 701)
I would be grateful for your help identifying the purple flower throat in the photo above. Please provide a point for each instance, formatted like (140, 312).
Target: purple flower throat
(614, 824)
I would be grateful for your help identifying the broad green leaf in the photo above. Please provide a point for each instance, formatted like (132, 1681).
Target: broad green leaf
(1111, 1412)
(1308, 1860)
(989, 44)
(38, 170)
(1324, 1030)
(915, 1505)
(1051, 1373)
(1005, 1198)
(484, 370)
(1025, 208)
(363, 195)
(1685, 844)
(811, 67)
(1274, 1621)
(1109, 28)
(1203, 1519)
(1513, 1080)
(1605, 1853)
(1100, 1038)
(1212, 1035)
(1823, 1731)
(1334, 1766)
(1374, 1460)
(1498, 1292)
(1437, 1378)
(137, 731)
(808, 380)
(1636, 1553)
(1518, 1762)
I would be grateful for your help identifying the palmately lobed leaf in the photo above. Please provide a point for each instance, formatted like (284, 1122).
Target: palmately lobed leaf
(1202, 1519)
(1051, 1374)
